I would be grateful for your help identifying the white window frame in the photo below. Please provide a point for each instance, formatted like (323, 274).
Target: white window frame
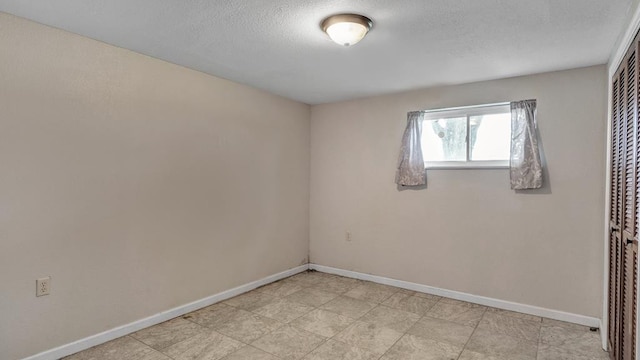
(467, 111)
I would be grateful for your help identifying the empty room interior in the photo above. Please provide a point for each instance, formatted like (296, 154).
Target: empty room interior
(319, 180)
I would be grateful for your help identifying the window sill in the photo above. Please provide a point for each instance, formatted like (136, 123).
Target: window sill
(463, 165)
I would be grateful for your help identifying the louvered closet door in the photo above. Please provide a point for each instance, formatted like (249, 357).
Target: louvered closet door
(629, 301)
(615, 221)
(613, 225)
(625, 205)
(629, 234)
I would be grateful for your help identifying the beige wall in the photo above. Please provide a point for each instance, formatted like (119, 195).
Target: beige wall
(468, 231)
(136, 185)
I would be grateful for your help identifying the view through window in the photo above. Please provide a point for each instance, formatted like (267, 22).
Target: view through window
(475, 136)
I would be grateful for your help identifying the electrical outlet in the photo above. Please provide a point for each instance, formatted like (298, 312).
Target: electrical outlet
(43, 286)
(347, 236)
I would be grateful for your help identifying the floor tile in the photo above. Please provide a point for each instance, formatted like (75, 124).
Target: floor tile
(322, 322)
(514, 314)
(458, 302)
(289, 343)
(426, 296)
(371, 292)
(280, 288)
(212, 316)
(511, 326)
(406, 291)
(348, 307)
(576, 340)
(564, 324)
(374, 338)
(249, 301)
(335, 350)
(392, 318)
(120, 348)
(420, 294)
(308, 278)
(283, 310)
(312, 297)
(168, 333)
(338, 285)
(442, 331)
(548, 352)
(210, 345)
(459, 312)
(332, 318)
(250, 353)
(472, 355)
(415, 348)
(155, 355)
(247, 326)
(410, 302)
(501, 346)
(558, 336)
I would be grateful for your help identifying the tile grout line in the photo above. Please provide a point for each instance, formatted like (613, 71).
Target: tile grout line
(325, 340)
(156, 350)
(354, 321)
(539, 339)
(314, 349)
(407, 332)
(212, 329)
(391, 347)
(238, 340)
(464, 347)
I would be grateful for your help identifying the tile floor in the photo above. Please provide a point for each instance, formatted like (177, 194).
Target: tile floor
(317, 316)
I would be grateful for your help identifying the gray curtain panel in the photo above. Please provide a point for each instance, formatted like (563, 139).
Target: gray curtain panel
(525, 165)
(411, 171)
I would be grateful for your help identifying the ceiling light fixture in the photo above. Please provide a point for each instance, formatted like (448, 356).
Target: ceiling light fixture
(346, 29)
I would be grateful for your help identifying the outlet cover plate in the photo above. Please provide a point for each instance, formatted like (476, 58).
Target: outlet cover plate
(43, 286)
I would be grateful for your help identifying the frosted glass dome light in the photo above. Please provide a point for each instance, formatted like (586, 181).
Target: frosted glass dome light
(346, 29)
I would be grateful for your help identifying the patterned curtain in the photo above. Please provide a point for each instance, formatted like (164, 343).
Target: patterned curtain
(411, 171)
(525, 165)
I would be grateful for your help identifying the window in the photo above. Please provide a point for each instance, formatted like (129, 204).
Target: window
(468, 137)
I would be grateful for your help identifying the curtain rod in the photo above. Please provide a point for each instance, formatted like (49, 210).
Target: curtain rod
(459, 108)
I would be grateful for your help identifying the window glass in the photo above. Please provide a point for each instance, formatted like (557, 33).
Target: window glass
(489, 137)
(445, 139)
(473, 136)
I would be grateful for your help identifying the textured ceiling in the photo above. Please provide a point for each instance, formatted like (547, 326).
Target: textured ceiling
(277, 45)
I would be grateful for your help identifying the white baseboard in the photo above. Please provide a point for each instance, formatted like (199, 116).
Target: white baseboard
(123, 330)
(603, 336)
(500, 304)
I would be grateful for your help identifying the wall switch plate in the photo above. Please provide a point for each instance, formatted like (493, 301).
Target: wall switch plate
(43, 286)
